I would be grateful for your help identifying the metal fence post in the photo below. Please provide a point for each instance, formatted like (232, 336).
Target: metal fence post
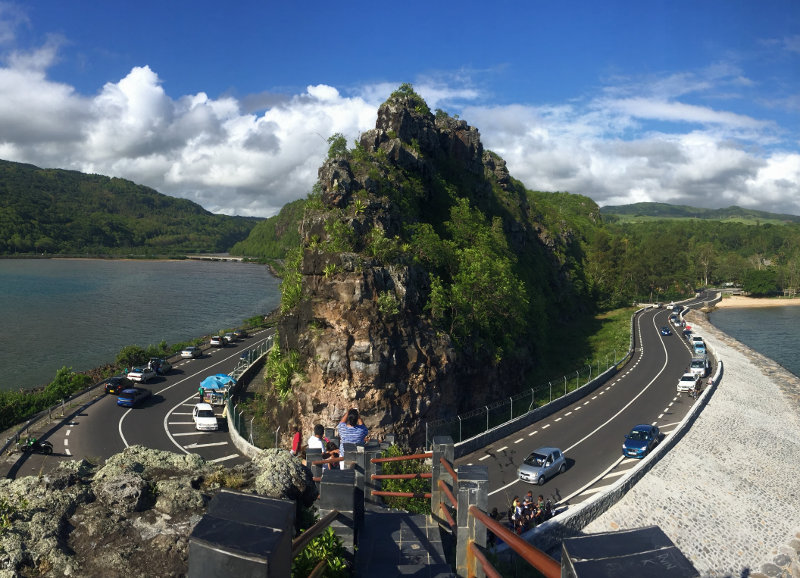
(487, 417)
(460, 435)
(276, 436)
(511, 400)
(577, 377)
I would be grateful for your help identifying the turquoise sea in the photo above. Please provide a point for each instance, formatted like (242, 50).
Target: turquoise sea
(772, 331)
(79, 313)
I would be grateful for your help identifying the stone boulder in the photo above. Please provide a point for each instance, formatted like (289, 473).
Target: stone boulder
(282, 475)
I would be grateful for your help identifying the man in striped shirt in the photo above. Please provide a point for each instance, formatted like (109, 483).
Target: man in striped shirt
(351, 430)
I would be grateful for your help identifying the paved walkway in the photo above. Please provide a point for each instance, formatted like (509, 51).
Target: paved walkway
(728, 494)
(400, 544)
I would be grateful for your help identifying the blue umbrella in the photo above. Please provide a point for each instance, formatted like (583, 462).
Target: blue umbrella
(218, 381)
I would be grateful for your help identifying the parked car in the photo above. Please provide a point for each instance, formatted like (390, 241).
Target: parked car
(133, 396)
(217, 341)
(688, 382)
(191, 352)
(666, 331)
(240, 333)
(671, 306)
(700, 366)
(640, 441)
(229, 337)
(204, 417)
(114, 385)
(541, 465)
(141, 374)
(160, 365)
(699, 348)
(687, 334)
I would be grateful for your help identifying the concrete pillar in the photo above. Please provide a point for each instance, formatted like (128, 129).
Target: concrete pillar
(372, 450)
(473, 490)
(314, 455)
(338, 492)
(442, 447)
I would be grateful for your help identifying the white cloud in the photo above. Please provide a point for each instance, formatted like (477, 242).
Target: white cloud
(250, 156)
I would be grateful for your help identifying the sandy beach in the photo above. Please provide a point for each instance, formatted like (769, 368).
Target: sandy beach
(741, 301)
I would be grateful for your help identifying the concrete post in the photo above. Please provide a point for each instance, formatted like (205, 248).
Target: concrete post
(372, 450)
(473, 490)
(314, 455)
(338, 492)
(442, 447)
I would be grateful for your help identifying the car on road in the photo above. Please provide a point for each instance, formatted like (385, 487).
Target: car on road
(542, 464)
(133, 396)
(640, 441)
(191, 352)
(688, 382)
(240, 333)
(113, 385)
(141, 374)
(700, 366)
(229, 337)
(666, 331)
(160, 365)
(217, 341)
(204, 417)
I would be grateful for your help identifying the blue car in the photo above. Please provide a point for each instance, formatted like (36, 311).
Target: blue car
(640, 441)
(133, 396)
(666, 331)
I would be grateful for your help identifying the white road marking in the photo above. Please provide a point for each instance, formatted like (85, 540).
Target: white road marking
(66, 451)
(533, 433)
(566, 414)
(486, 457)
(181, 423)
(191, 433)
(230, 457)
(196, 445)
(69, 431)
(546, 426)
(559, 418)
(519, 440)
(66, 442)
(504, 448)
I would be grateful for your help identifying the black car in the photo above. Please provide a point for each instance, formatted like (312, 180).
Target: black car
(240, 333)
(113, 385)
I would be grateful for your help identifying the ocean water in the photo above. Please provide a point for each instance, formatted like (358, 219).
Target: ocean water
(80, 313)
(771, 331)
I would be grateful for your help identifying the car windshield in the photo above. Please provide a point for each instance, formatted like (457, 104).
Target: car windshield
(205, 413)
(697, 364)
(687, 378)
(638, 435)
(535, 460)
(127, 395)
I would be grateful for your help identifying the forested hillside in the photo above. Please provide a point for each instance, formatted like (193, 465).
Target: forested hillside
(52, 211)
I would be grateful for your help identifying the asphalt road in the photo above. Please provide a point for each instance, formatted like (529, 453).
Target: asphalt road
(590, 432)
(164, 422)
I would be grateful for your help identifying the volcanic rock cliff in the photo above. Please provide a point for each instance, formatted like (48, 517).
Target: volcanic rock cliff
(362, 324)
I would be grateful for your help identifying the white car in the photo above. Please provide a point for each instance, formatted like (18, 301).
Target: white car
(191, 352)
(204, 417)
(689, 382)
(229, 337)
(141, 374)
(217, 341)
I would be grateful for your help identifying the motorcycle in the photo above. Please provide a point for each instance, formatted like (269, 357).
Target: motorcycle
(34, 445)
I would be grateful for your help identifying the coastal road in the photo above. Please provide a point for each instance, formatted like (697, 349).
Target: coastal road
(103, 429)
(590, 432)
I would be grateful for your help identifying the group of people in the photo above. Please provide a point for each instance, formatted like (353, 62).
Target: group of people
(351, 430)
(526, 513)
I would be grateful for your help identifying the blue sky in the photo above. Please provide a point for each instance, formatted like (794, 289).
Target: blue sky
(229, 104)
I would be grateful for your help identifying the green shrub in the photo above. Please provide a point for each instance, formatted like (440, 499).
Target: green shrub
(327, 546)
(419, 486)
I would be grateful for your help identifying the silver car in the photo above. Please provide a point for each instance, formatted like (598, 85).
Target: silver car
(542, 464)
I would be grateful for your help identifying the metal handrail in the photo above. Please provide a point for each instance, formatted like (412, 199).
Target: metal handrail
(532, 555)
(443, 508)
(426, 495)
(446, 491)
(402, 458)
(305, 538)
(449, 467)
(488, 569)
(422, 475)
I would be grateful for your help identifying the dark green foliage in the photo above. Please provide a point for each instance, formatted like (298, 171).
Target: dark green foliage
(419, 486)
(55, 211)
(327, 547)
(18, 406)
(760, 282)
(272, 238)
(337, 146)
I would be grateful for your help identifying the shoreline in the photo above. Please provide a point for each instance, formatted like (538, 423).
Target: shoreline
(739, 301)
(725, 494)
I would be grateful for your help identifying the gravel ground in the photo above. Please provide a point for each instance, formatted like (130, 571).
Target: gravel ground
(728, 494)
